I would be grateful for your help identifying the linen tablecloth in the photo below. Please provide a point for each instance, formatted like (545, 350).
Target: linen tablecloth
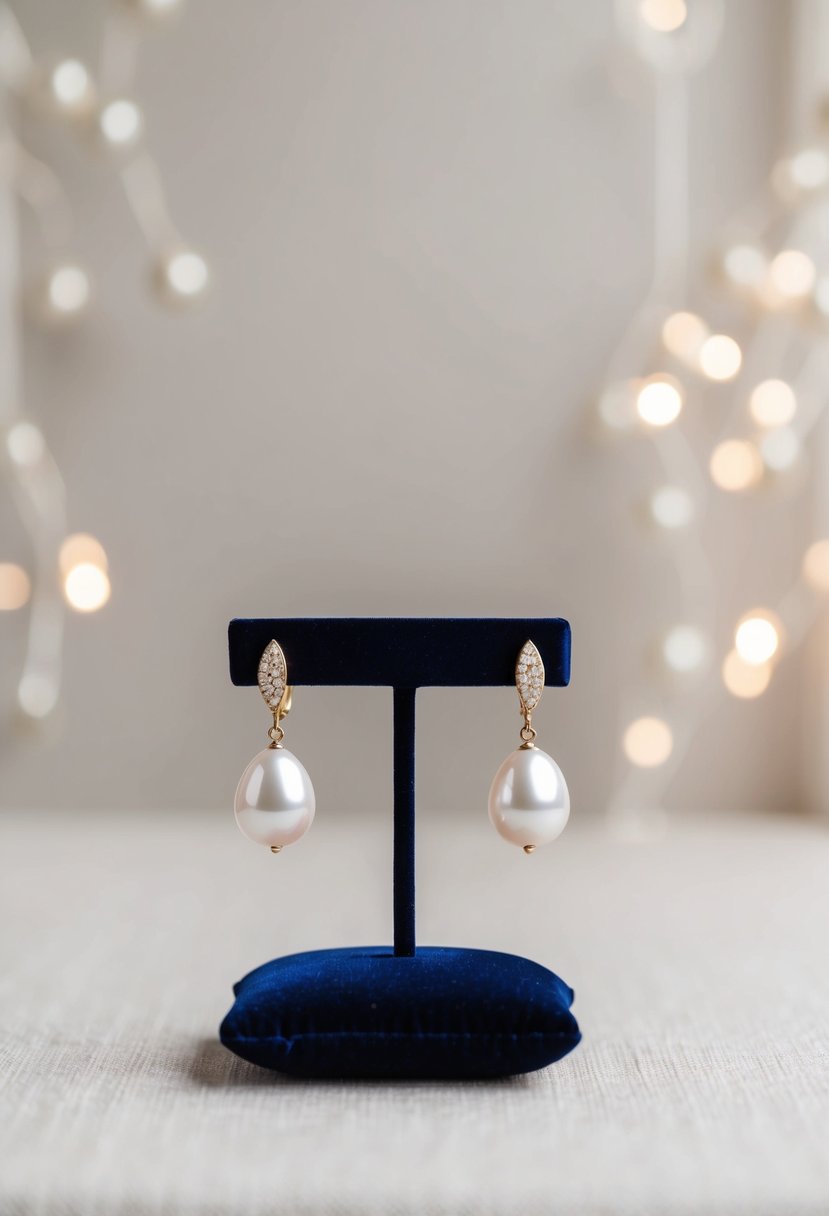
(700, 964)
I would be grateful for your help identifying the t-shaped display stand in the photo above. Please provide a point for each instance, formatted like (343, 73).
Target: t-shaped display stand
(385, 1037)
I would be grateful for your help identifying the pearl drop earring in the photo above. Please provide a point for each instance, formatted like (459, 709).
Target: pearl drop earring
(529, 803)
(274, 803)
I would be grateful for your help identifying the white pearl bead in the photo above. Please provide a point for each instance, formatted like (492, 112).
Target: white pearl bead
(275, 801)
(529, 803)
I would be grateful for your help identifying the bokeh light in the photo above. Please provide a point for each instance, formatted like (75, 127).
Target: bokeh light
(735, 465)
(816, 565)
(664, 16)
(25, 444)
(683, 334)
(792, 273)
(746, 266)
(617, 406)
(757, 636)
(720, 357)
(70, 87)
(745, 680)
(780, 449)
(671, 507)
(659, 401)
(807, 170)
(684, 648)
(81, 548)
(183, 275)
(68, 291)
(120, 122)
(15, 587)
(648, 742)
(772, 403)
(86, 587)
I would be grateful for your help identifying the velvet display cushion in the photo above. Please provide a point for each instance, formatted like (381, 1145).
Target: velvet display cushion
(362, 1012)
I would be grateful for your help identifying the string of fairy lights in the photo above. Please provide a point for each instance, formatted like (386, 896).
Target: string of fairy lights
(775, 269)
(97, 110)
(774, 272)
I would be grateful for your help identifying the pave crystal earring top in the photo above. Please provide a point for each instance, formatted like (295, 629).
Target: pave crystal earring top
(275, 801)
(529, 803)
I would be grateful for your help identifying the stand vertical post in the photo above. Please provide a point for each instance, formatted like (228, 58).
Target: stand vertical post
(404, 821)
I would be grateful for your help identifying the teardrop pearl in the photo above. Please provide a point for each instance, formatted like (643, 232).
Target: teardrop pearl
(529, 803)
(275, 801)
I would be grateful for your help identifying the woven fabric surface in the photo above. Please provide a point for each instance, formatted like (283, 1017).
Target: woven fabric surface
(702, 988)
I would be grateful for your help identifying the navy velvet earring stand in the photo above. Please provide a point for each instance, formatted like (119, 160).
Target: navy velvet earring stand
(408, 1011)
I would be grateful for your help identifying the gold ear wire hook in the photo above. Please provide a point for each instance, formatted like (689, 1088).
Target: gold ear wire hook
(276, 734)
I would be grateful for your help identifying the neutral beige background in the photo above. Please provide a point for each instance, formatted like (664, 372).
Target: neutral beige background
(429, 224)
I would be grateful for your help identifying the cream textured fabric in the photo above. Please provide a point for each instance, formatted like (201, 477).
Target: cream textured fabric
(701, 970)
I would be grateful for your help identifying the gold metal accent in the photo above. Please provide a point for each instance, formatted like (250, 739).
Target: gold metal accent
(276, 848)
(272, 676)
(529, 684)
(272, 679)
(529, 848)
(276, 734)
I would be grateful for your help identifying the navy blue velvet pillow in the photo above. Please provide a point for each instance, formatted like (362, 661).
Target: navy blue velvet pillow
(362, 1012)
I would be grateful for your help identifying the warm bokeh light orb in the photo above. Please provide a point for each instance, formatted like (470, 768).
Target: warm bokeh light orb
(683, 334)
(757, 637)
(772, 403)
(720, 357)
(25, 444)
(659, 401)
(816, 565)
(70, 87)
(780, 449)
(120, 122)
(648, 742)
(617, 406)
(808, 169)
(664, 16)
(187, 273)
(86, 587)
(184, 274)
(792, 273)
(81, 549)
(745, 680)
(735, 465)
(68, 291)
(671, 507)
(15, 587)
(746, 266)
(684, 648)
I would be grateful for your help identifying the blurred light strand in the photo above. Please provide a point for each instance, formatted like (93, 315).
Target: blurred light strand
(70, 571)
(776, 275)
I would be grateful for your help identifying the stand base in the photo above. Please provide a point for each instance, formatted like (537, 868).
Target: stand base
(444, 1013)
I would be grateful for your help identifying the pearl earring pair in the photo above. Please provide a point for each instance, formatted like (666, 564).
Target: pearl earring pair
(529, 804)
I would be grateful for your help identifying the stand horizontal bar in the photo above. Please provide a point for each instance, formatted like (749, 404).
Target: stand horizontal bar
(404, 652)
